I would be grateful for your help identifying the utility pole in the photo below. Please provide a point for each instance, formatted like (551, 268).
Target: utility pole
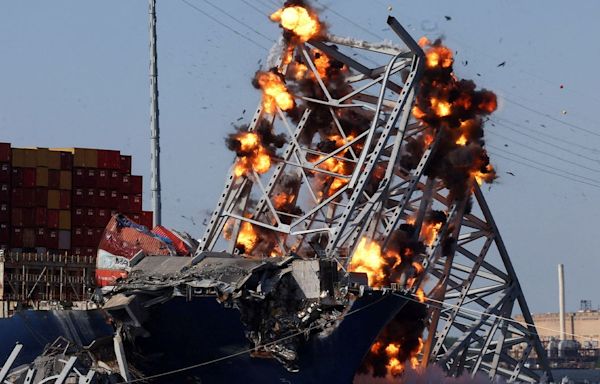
(154, 127)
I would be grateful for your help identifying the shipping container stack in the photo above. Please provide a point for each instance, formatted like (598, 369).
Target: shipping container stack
(5, 181)
(40, 200)
(57, 201)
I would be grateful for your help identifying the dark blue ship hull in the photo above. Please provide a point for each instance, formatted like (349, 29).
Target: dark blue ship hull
(185, 334)
(36, 329)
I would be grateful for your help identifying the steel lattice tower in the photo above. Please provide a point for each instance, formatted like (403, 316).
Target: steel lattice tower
(472, 287)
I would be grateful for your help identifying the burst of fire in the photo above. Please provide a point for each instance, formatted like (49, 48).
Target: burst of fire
(367, 258)
(321, 63)
(414, 359)
(488, 175)
(247, 237)
(281, 199)
(462, 140)
(437, 56)
(275, 93)
(394, 366)
(299, 20)
(420, 295)
(429, 231)
(442, 108)
(253, 155)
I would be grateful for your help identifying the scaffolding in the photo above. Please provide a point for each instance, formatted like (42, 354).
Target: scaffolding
(34, 279)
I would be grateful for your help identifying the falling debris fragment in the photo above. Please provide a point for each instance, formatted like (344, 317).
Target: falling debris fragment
(502, 64)
(448, 18)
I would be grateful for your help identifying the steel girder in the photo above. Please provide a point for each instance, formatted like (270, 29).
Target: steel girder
(384, 95)
(472, 286)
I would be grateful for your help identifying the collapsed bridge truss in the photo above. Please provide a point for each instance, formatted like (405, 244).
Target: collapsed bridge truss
(358, 189)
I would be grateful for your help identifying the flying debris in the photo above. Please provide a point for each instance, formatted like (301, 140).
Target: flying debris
(502, 64)
(448, 18)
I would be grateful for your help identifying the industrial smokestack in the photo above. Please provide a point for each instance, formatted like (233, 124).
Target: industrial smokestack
(154, 128)
(561, 300)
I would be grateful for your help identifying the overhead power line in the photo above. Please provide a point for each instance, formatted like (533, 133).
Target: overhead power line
(541, 140)
(221, 10)
(552, 155)
(564, 172)
(548, 116)
(546, 171)
(224, 25)
(497, 120)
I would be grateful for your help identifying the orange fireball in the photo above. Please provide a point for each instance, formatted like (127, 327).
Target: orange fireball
(275, 93)
(298, 20)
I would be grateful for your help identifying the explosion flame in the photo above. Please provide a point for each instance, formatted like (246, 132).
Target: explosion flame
(302, 22)
(275, 93)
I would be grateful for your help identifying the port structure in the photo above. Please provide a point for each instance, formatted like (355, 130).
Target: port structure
(471, 286)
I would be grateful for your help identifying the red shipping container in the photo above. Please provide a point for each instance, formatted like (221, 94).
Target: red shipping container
(77, 251)
(23, 197)
(16, 196)
(136, 217)
(5, 192)
(136, 184)
(124, 203)
(102, 158)
(29, 217)
(90, 239)
(103, 217)
(98, 236)
(102, 198)
(29, 177)
(135, 203)
(29, 197)
(77, 237)
(17, 177)
(17, 217)
(79, 197)
(65, 200)
(52, 218)
(115, 180)
(113, 200)
(78, 216)
(4, 213)
(91, 177)
(79, 177)
(41, 217)
(90, 217)
(146, 219)
(53, 178)
(114, 160)
(90, 251)
(41, 197)
(5, 152)
(109, 159)
(40, 237)
(126, 184)
(103, 179)
(5, 173)
(52, 239)
(4, 233)
(90, 197)
(125, 164)
(16, 237)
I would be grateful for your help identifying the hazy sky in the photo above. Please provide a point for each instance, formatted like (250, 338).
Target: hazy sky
(75, 73)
